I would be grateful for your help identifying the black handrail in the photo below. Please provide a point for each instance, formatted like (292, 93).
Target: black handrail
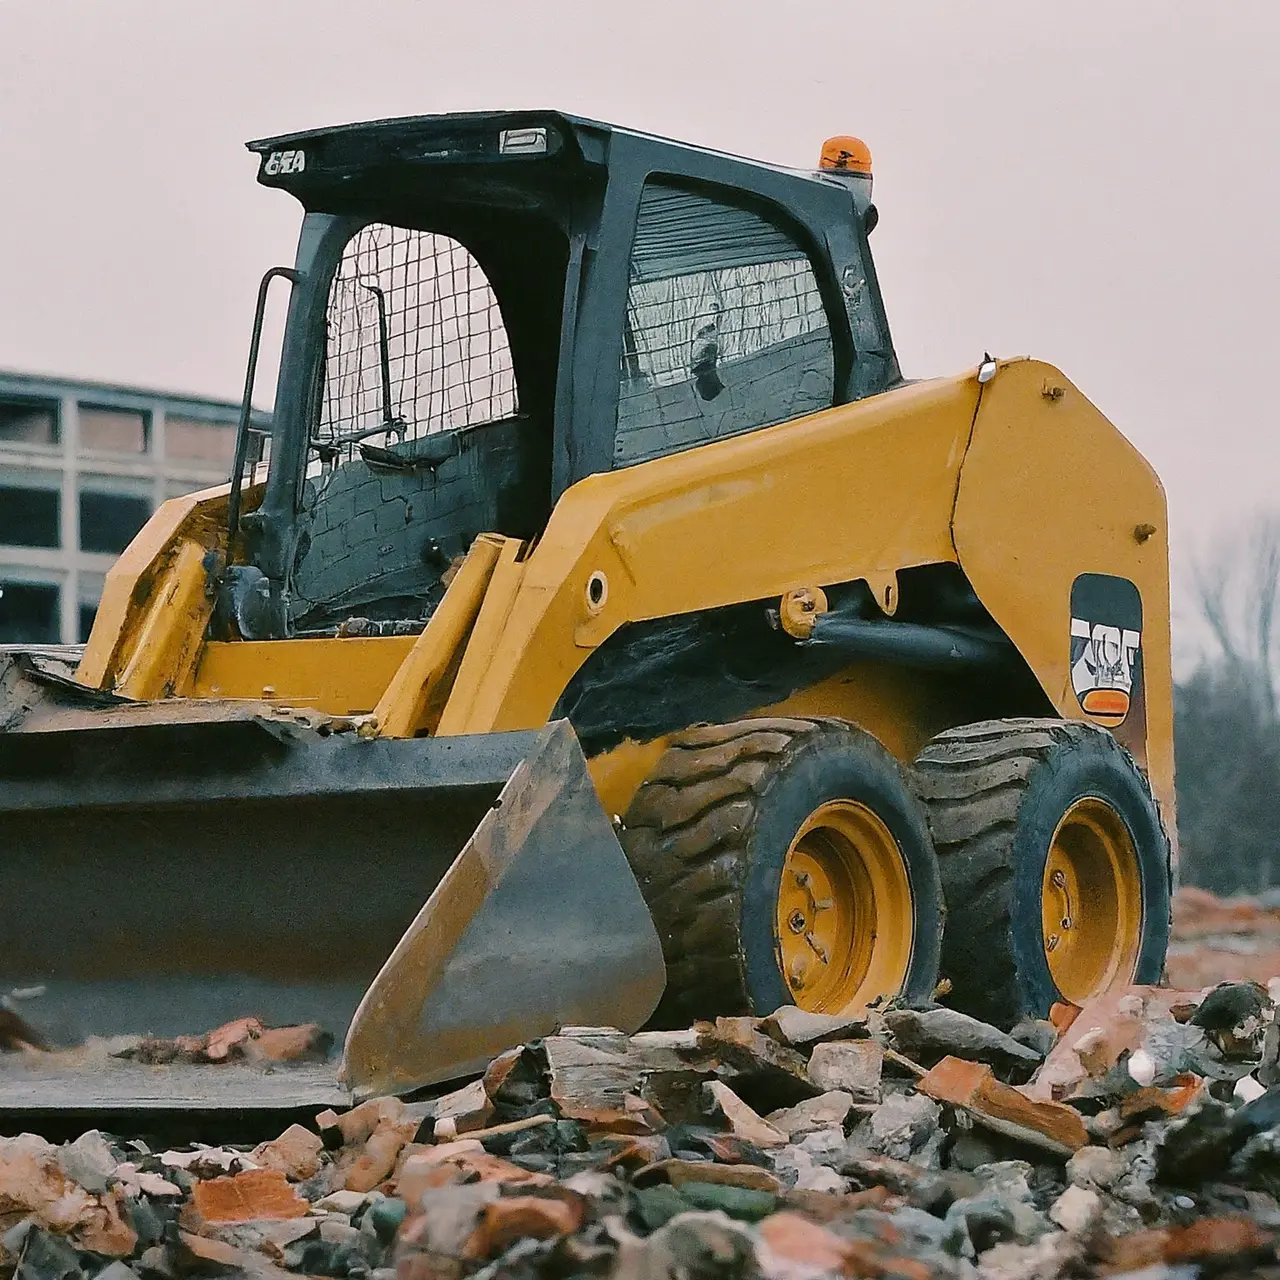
(246, 406)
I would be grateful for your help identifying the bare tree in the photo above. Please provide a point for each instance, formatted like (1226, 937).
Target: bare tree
(1226, 725)
(1237, 588)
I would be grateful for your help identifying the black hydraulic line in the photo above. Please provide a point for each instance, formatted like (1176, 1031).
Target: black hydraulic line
(910, 644)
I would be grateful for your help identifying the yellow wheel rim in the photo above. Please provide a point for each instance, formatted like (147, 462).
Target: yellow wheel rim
(844, 923)
(1091, 899)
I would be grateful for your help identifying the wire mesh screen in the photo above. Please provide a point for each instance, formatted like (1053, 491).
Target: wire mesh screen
(414, 343)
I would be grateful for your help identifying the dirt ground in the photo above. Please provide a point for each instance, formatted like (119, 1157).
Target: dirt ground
(1221, 939)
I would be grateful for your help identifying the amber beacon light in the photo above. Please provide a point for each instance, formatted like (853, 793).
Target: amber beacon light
(850, 154)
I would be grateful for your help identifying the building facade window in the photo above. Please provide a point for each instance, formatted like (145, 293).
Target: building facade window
(77, 486)
(189, 440)
(29, 517)
(108, 521)
(28, 421)
(104, 430)
(28, 613)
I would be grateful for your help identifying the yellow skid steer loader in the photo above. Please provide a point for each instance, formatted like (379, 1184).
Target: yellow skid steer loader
(604, 631)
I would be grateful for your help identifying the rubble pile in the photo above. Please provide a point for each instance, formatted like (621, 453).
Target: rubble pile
(1223, 939)
(1137, 1136)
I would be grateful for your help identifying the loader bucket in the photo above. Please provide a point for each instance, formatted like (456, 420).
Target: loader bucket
(167, 870)
(537, 924)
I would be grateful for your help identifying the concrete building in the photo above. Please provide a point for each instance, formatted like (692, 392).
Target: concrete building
(82, 467)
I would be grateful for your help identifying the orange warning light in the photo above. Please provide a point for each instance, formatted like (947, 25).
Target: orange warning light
(847, 153)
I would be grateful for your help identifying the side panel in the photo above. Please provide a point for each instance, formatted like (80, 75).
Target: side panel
(1050, 490)
(861, 489)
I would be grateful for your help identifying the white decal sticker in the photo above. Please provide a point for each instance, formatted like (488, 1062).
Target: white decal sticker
(285, 162)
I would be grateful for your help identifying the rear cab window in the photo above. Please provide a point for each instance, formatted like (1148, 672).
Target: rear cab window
(725, 327)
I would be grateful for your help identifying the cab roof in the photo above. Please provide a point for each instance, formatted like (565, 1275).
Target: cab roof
(549, 139)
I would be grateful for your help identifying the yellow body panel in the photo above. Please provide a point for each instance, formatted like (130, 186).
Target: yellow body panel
(863, 488)
(1049, 490)
(415, 699)
(135, 582)
(340, 677)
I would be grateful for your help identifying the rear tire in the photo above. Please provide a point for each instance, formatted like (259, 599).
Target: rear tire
(728, 811)
(1054, 863)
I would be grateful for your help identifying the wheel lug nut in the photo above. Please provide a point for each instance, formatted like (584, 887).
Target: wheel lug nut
(1059, 879)
(796, 922)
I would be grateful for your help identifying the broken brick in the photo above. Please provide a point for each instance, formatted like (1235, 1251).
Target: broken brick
(743, 1122)
(363, 1168)
(511, 1218)
(594, 1069)
(243, 1197)
(309, 1042)
(1106, 1027)
(1062, 1014)
(295, 1153)
(797, 1240)
(973, 1087)
(461, 1161)
(222, 1042)
(462, 1110)
(826, 1111)
(766, 1069)
(1209, 1239)
(749, 1177)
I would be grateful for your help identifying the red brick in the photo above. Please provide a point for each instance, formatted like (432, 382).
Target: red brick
(513, 1218)
(244, 1197)
(1003, 1108)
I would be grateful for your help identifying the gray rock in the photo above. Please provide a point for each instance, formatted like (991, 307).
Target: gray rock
(1009, 1179)
(700, 1244)
(339, 1233)
(825, 1111)
(853, 1066)
(1097, 1167)
(798, 1028)
(790, 1163)
(88, 1161)
(1036, 1034)
(118, 1271)
(819, 1177)
(921, 1227)
(824, 1146)
(47, 1257)
(12, 1241)
(902, 1124)
(1077, 1210)
(983, 1221)
(930, 1034)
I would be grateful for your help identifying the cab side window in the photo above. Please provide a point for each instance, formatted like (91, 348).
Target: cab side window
(725, 328)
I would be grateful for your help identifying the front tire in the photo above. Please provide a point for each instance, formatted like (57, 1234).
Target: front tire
(1054, 862)
(785, 861)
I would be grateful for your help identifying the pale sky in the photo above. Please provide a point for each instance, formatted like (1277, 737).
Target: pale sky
(1094, 184)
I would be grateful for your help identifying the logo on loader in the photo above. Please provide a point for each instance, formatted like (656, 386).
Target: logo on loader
(1106, 646)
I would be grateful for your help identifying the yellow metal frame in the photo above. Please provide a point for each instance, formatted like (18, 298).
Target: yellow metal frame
(1022, 482)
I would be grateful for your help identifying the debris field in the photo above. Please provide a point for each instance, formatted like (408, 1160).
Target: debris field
(1137, 1136)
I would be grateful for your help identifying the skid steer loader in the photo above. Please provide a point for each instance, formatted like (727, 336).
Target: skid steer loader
(604, 631)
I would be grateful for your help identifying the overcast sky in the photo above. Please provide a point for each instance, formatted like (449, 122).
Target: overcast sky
(1094, 184)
